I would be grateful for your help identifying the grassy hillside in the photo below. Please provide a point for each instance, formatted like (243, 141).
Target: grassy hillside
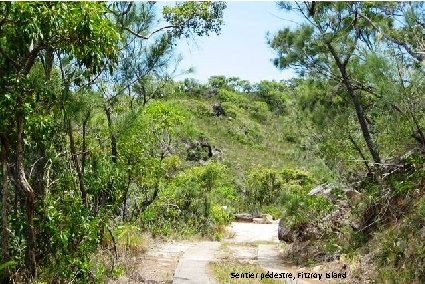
(249, 135)
(253, 137)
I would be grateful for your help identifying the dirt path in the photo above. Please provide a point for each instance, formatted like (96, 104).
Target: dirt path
(187, 262)
(156, 265)
(269, 260)
(251, 244)
(251, 232)
(192, 267)
(258, 244)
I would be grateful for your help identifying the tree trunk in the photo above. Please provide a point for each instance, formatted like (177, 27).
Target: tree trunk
(84, 146)
(363, 124)
(5, 211)
(149, 201)
(26, 188)
(104, 198)
(112, 136)
(48, 61)
(145, 95)
(76, 163)
(125, 195)
(38, 181)
(361, 117)
(421, 139)
(359, 150)
(114, 152)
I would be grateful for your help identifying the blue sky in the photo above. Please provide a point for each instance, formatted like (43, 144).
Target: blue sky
(241, 49)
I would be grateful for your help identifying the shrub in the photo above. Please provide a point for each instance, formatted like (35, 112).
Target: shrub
(285, 191)
(191, 203)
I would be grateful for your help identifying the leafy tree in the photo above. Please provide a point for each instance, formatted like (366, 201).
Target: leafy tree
(343, 43)
(56, 60)
(148, 151)
(30, 30)
(274, 94)
(195, 18)
(146, 52)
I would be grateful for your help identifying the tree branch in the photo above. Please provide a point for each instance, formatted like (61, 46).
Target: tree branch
(30, 59)
(416, 55)
(357, 35)
(151, 34)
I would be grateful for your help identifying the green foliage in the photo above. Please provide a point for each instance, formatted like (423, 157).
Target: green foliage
(400, 250)
(85, 148)
(199, 18)
(249, 135)
(190, 204)
(265, 185)
(225, 195)
(219, 215)
(246, 131)
(234, 84)
(72, 237)
(7, 265)
(88, 150)
(256, 109)
(285, 193)
(85, 33)
(193, 88)
(194, 187)
(239, 100)
(301, 208)
(274, 94)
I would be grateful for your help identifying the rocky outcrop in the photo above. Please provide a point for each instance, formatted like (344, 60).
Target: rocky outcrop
(218, 110)
(284, 233)
(201, 150)
(260, 219)
(268, 219)
(244, 217)
(327, 190)
(302, 232)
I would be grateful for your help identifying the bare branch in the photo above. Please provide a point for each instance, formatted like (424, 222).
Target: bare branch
(151, 34)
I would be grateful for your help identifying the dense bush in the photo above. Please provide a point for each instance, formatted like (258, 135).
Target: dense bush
(192, 203)
(285, 192)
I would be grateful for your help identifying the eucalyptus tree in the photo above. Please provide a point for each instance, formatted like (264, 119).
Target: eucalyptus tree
(146, 53)
(52, 57)
(30, 33)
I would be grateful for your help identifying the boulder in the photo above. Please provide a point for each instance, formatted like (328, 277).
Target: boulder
(259, 220)
(201, 150)
(324, 189)
(244, 217)
(268, 219)
(218, 110)
(256, 218)
(285, 234)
